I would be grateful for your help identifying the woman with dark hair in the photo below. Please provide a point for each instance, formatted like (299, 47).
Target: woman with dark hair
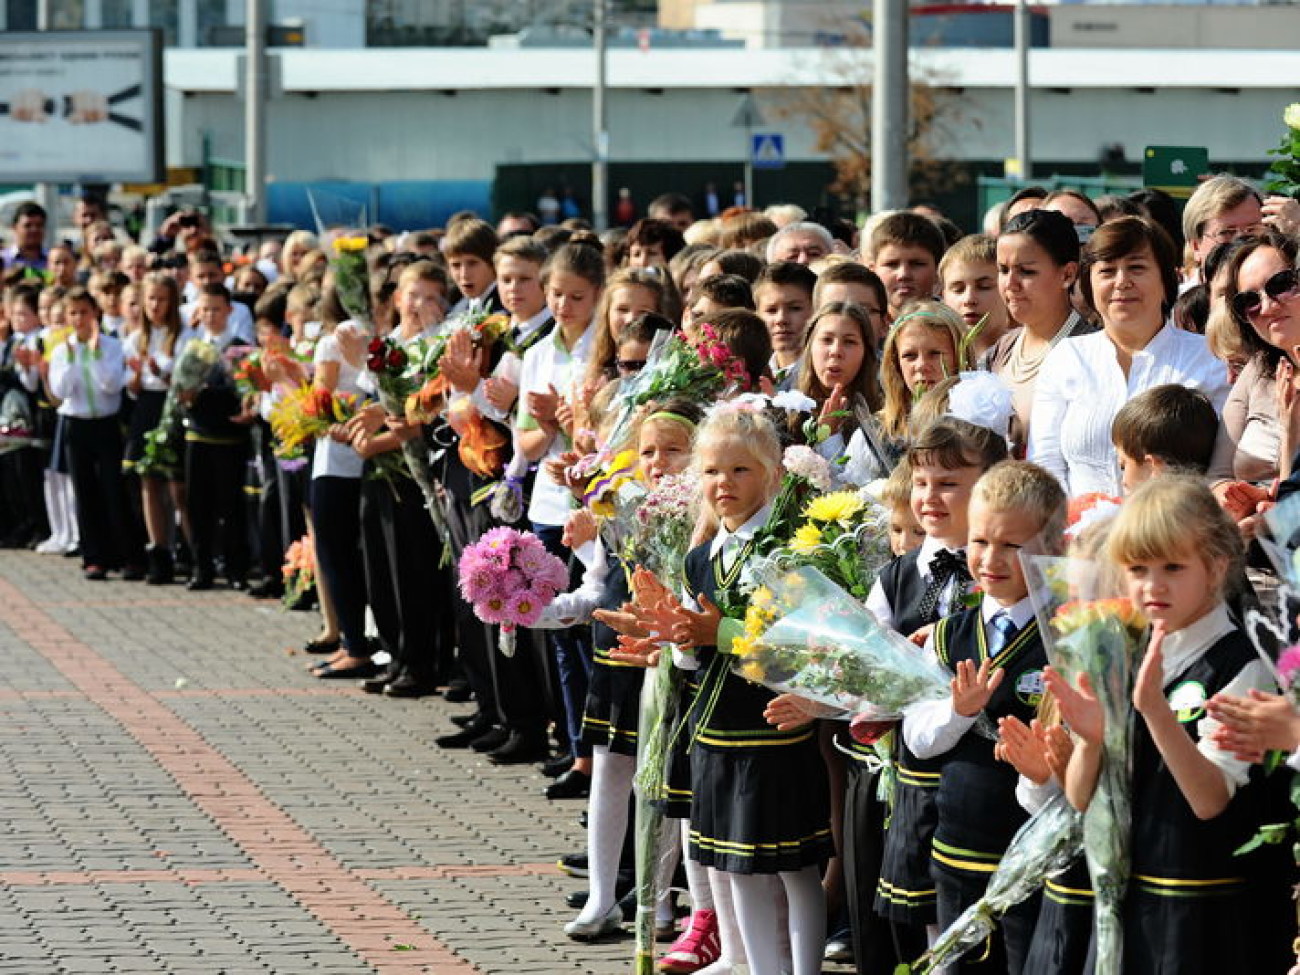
(1262, 295)
(1038, 264)
(1129, 278)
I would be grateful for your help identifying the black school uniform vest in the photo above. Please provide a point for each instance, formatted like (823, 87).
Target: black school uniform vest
(978, 811)
(615, 594)
(1174, 853)
(728, 709)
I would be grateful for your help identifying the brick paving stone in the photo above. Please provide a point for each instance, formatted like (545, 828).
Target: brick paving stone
(275, 825)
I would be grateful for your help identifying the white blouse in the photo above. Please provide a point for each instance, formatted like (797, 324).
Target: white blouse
(1081, 387)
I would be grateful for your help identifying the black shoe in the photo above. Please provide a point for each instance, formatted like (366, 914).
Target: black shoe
(489, 740)
(557, 766)
(573, 864)
(322, 646)
(199, 583)
(161, 570)
(404, 685)
(73, 553)
(458, 692)
(571, 785)
(626, 882)
(133, 573)
(465, 720)
(95, 573)
(238, 584)
(357, 672)
(376, 684)
(267, 589)
(518, 750)
(467, 736)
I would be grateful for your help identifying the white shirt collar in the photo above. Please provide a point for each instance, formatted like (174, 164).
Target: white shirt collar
(930, 548)
(725, 540)
(1021, 613)
(1183, 648)
(526, 329)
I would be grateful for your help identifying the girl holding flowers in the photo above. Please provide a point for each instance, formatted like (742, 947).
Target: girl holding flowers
(610, 719)
(1192, 905)
(758, 844)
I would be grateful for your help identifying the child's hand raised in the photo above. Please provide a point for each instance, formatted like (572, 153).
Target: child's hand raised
(971, 688)
(637, 651)
(1149, 688)
(1251, 726)
(1059, 747)
(501, 392)
(1079, 705)
(1019, 747)
(461, 364)
(697, 629)
(832, 411)
(542, 407)
(579, 529)
(921, 637)
(625, 620)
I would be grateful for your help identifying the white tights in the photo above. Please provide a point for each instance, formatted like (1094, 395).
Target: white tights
(611, 788)
(758, 900)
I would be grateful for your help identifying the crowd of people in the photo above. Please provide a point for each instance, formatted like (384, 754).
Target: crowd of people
(1148, 358)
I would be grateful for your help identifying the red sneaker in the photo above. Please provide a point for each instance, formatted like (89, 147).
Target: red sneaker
(699, 945)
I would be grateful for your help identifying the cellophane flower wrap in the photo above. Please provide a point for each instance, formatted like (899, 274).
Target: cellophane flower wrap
(163, 453)
(1088, 631)
(352, 277)
(1042, 848)
(844, 535)
(508, 577)
(397, 378)
(807, 636)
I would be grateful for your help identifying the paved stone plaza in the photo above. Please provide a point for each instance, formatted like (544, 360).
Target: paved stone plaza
(178, 795)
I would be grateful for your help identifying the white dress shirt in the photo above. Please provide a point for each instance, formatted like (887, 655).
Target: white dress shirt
(932, 728)
(1183, 648)
(156, 350)
(551, 363)
(1081, 387)
(240, 323)
(331, 458)
(89, 384)
(878, 602)
(572, 608)
(508, 367)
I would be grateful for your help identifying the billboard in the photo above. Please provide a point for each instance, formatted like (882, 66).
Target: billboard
(81, 106)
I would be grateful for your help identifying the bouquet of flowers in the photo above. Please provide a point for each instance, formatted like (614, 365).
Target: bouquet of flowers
(352, 277)
(248, 369)
(1086, 633)
(397, 378)
(484, 329)
(306, 414)
(299, 570)
(1284, 174)
(1044, 847)
(844, 535)
(509, 578)
(807, 636)
(164, 446)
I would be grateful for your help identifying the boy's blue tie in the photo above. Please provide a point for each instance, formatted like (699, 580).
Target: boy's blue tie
(1002, 629)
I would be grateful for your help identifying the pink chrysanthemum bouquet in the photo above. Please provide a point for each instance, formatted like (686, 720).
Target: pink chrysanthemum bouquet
(509, 578)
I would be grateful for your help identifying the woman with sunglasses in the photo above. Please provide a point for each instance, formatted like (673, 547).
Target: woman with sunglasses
(1129, 277)
(1262, 294)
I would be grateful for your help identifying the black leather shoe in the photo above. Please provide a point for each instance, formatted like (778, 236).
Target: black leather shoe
(321, 646)
(518, 749)
(404, 685)
(489, 740)
(133, 573)
(571, 785)
(376, 684)
(557, 766)
(458, 692)
(465, 737)
(267, 589)
(465, 720)
(622, 886)
(95, 573)
(199, 582)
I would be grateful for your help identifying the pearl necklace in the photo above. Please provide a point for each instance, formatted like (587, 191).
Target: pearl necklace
(1020, 369)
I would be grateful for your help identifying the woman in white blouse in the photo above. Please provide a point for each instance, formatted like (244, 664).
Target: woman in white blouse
(1129, 278)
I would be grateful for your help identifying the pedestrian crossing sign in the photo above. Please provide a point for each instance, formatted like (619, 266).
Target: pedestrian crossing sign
(767, 150)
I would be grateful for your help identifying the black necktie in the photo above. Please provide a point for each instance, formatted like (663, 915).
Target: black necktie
(944, 566)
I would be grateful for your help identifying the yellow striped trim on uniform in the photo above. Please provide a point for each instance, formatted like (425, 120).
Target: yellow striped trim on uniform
(751, 739)
(959, 859)
(672, 793)
(1180, 888)
(922, 780)
(756, 849)
(1070, 896)
(1028, 632)
(907, 898)
(605, 728)
(192, 437)
(602, 658)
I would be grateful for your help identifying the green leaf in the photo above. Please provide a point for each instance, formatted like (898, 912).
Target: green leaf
(1272, 834)
(403, 947)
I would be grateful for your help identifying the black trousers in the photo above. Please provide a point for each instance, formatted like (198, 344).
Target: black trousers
(473, 637)
(214, 495)
(336, 523)
(94, 457)
(406, 592)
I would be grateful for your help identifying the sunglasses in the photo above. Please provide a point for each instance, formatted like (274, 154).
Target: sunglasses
(1246, 304)
(630, 365)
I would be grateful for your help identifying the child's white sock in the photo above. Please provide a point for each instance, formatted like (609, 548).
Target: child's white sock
(611, 786)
